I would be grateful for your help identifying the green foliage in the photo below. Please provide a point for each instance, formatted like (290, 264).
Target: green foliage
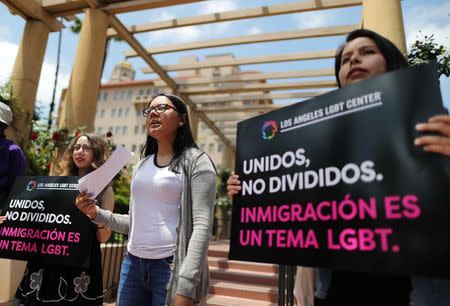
(76, 26)
(43, 145)
(222, 200)
(425, 50)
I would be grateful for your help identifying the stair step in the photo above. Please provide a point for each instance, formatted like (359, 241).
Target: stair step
(221, 300)
(236, 289)
(242, 276)
(223, 263)
(219, 248)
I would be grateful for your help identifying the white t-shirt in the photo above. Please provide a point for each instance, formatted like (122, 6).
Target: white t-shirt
(156, 196)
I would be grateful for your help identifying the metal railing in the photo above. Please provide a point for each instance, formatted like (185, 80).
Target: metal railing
(286, 281)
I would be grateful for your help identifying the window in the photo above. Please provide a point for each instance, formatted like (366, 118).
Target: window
(220, 147)
(133, 148)
(102, 113)
(117, 130)
(116, 95)
(202, 146)
(124, 130)
(141, 92)
(148, 92)
(120, 112)
(143, 129)
(122, 94)
(127, 111)
(99, 130)
(130, 94)
(138, 112)
(211, 147)
(105, 96)
(136, 129)
(113, 112)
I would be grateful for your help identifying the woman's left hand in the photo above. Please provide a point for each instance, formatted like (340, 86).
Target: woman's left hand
(181, 300)
(435, 143)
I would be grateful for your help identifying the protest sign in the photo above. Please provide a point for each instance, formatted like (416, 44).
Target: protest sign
(43, 223)
(336, 181)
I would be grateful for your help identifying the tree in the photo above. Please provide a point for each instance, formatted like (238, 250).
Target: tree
(425, 50)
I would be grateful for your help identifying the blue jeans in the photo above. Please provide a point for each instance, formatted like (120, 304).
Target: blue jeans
(429, 291)
(143, 281)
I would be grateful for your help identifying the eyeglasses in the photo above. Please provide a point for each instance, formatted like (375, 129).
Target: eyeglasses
(84, 147)
(159, 109)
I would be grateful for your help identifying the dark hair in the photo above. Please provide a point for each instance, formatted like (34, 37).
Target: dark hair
(100, 152)
(3, 127)
(183, 139)
(392, 55)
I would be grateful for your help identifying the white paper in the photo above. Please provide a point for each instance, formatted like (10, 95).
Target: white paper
(97, 180)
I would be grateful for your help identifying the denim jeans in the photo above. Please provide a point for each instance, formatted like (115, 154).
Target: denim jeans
(429, 291)
(143, 281)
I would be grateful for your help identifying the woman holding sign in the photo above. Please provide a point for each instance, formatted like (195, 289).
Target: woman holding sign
(171, 213)
(60, 285)
(365, 55)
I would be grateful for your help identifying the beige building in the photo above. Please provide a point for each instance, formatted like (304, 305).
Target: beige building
(122, 99)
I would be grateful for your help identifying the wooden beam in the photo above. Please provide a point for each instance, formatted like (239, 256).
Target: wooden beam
(94, 3)
(243, 108)
(257, 87)
(139, 5)
(287, 57)
(249, 39)
(250, 97)
(71, 7)
(33, 11)
(125, 35)
(264, 11)
(252, 77)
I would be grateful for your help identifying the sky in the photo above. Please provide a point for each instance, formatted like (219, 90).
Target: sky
(421, 17)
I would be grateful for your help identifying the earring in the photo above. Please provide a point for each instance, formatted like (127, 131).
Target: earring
(180, 124)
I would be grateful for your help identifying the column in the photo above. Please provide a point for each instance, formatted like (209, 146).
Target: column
(227, 158)
(81, 97)
(25, 78)
(385, 17)
(193, 120)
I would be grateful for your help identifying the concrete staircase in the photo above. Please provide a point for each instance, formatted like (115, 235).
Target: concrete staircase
(239, 283)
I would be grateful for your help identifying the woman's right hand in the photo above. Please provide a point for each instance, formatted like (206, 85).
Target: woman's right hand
(2, 219)
(233, 185)
(86, 204)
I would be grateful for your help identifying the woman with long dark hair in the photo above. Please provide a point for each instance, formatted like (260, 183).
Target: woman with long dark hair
(171, 213)
(364, 55)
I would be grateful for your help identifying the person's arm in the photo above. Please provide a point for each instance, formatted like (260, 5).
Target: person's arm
(435, 143)
(233, 185)
(116, 222)
(107, 203)
(203, 191)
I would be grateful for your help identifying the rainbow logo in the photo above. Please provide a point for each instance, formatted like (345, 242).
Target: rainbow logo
(31, 185)
(269, 129)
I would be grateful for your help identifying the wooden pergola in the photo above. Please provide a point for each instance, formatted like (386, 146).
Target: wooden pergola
(101, 22)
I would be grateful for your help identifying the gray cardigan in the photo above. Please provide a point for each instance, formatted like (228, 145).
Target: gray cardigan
(190, 275)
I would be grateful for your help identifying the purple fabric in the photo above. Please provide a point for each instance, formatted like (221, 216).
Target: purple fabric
(12, 164)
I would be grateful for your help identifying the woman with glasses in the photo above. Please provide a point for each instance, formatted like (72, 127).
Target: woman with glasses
(61, 285)
(171, 213)
(365, 55)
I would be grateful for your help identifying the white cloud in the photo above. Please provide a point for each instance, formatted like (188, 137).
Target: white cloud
(46, 82)
(176, 35)
(314, 19)
(209, 7)
(7, 59)
(254, 30)
(427, 20)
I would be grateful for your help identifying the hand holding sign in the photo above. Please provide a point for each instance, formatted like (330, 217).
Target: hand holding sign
(86, 203)
(437, 143)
